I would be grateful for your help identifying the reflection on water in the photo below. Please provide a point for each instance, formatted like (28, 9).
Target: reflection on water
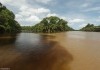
(29, 51)
(6, 39)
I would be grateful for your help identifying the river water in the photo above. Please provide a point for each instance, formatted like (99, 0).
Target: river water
(57, 51)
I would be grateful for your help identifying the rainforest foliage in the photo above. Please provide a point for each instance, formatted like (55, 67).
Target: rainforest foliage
(26, 28)
(8, 24)
(91, 27)
(51, 24)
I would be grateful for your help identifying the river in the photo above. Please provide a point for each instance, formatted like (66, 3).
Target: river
(73, 50)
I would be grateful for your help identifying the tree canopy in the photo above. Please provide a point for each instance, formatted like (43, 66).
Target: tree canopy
(8, 24)
(91, 27)
(51, 24)
(26, 28)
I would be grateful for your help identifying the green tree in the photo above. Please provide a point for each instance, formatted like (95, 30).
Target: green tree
(51, 24)
(7, 21)
(91, 27)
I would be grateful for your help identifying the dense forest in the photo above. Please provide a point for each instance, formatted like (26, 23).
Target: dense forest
(91, 27)
(51, 24)
(26, 28)
(8, 24)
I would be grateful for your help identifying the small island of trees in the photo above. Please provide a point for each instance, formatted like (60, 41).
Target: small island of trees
(51, 24)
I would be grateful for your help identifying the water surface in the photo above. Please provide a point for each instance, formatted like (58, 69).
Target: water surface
(58, 51)
(29, 51)
(84, 47)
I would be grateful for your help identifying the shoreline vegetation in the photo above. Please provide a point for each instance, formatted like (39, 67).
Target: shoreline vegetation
(91, 28)
(8, 24)
(51, 24)
(88, 28)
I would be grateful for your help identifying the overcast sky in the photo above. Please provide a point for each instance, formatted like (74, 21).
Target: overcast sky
(77, 12)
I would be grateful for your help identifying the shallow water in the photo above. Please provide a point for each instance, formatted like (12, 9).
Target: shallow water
(58, 51)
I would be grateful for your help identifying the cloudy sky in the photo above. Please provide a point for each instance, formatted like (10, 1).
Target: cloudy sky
(77, 12)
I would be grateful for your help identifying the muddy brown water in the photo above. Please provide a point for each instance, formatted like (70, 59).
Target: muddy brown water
(58, 51)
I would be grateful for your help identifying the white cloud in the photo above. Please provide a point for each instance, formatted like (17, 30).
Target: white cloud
(76, 20)
(23, 8)
(5, 1)
(26, 11)
(42, 10)
(82, 25)
(51, 14)
(30, 14)
(16, 3)
(43, 1)
(33, 18)
(18, 16)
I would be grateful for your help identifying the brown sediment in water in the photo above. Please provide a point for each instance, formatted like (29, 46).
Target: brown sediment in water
(57, 51)
(49, 56)
(84, 47)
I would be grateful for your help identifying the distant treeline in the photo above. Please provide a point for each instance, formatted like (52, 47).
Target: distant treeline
(39, 27)
(8, 24)
(26, 28)
(91, 27)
